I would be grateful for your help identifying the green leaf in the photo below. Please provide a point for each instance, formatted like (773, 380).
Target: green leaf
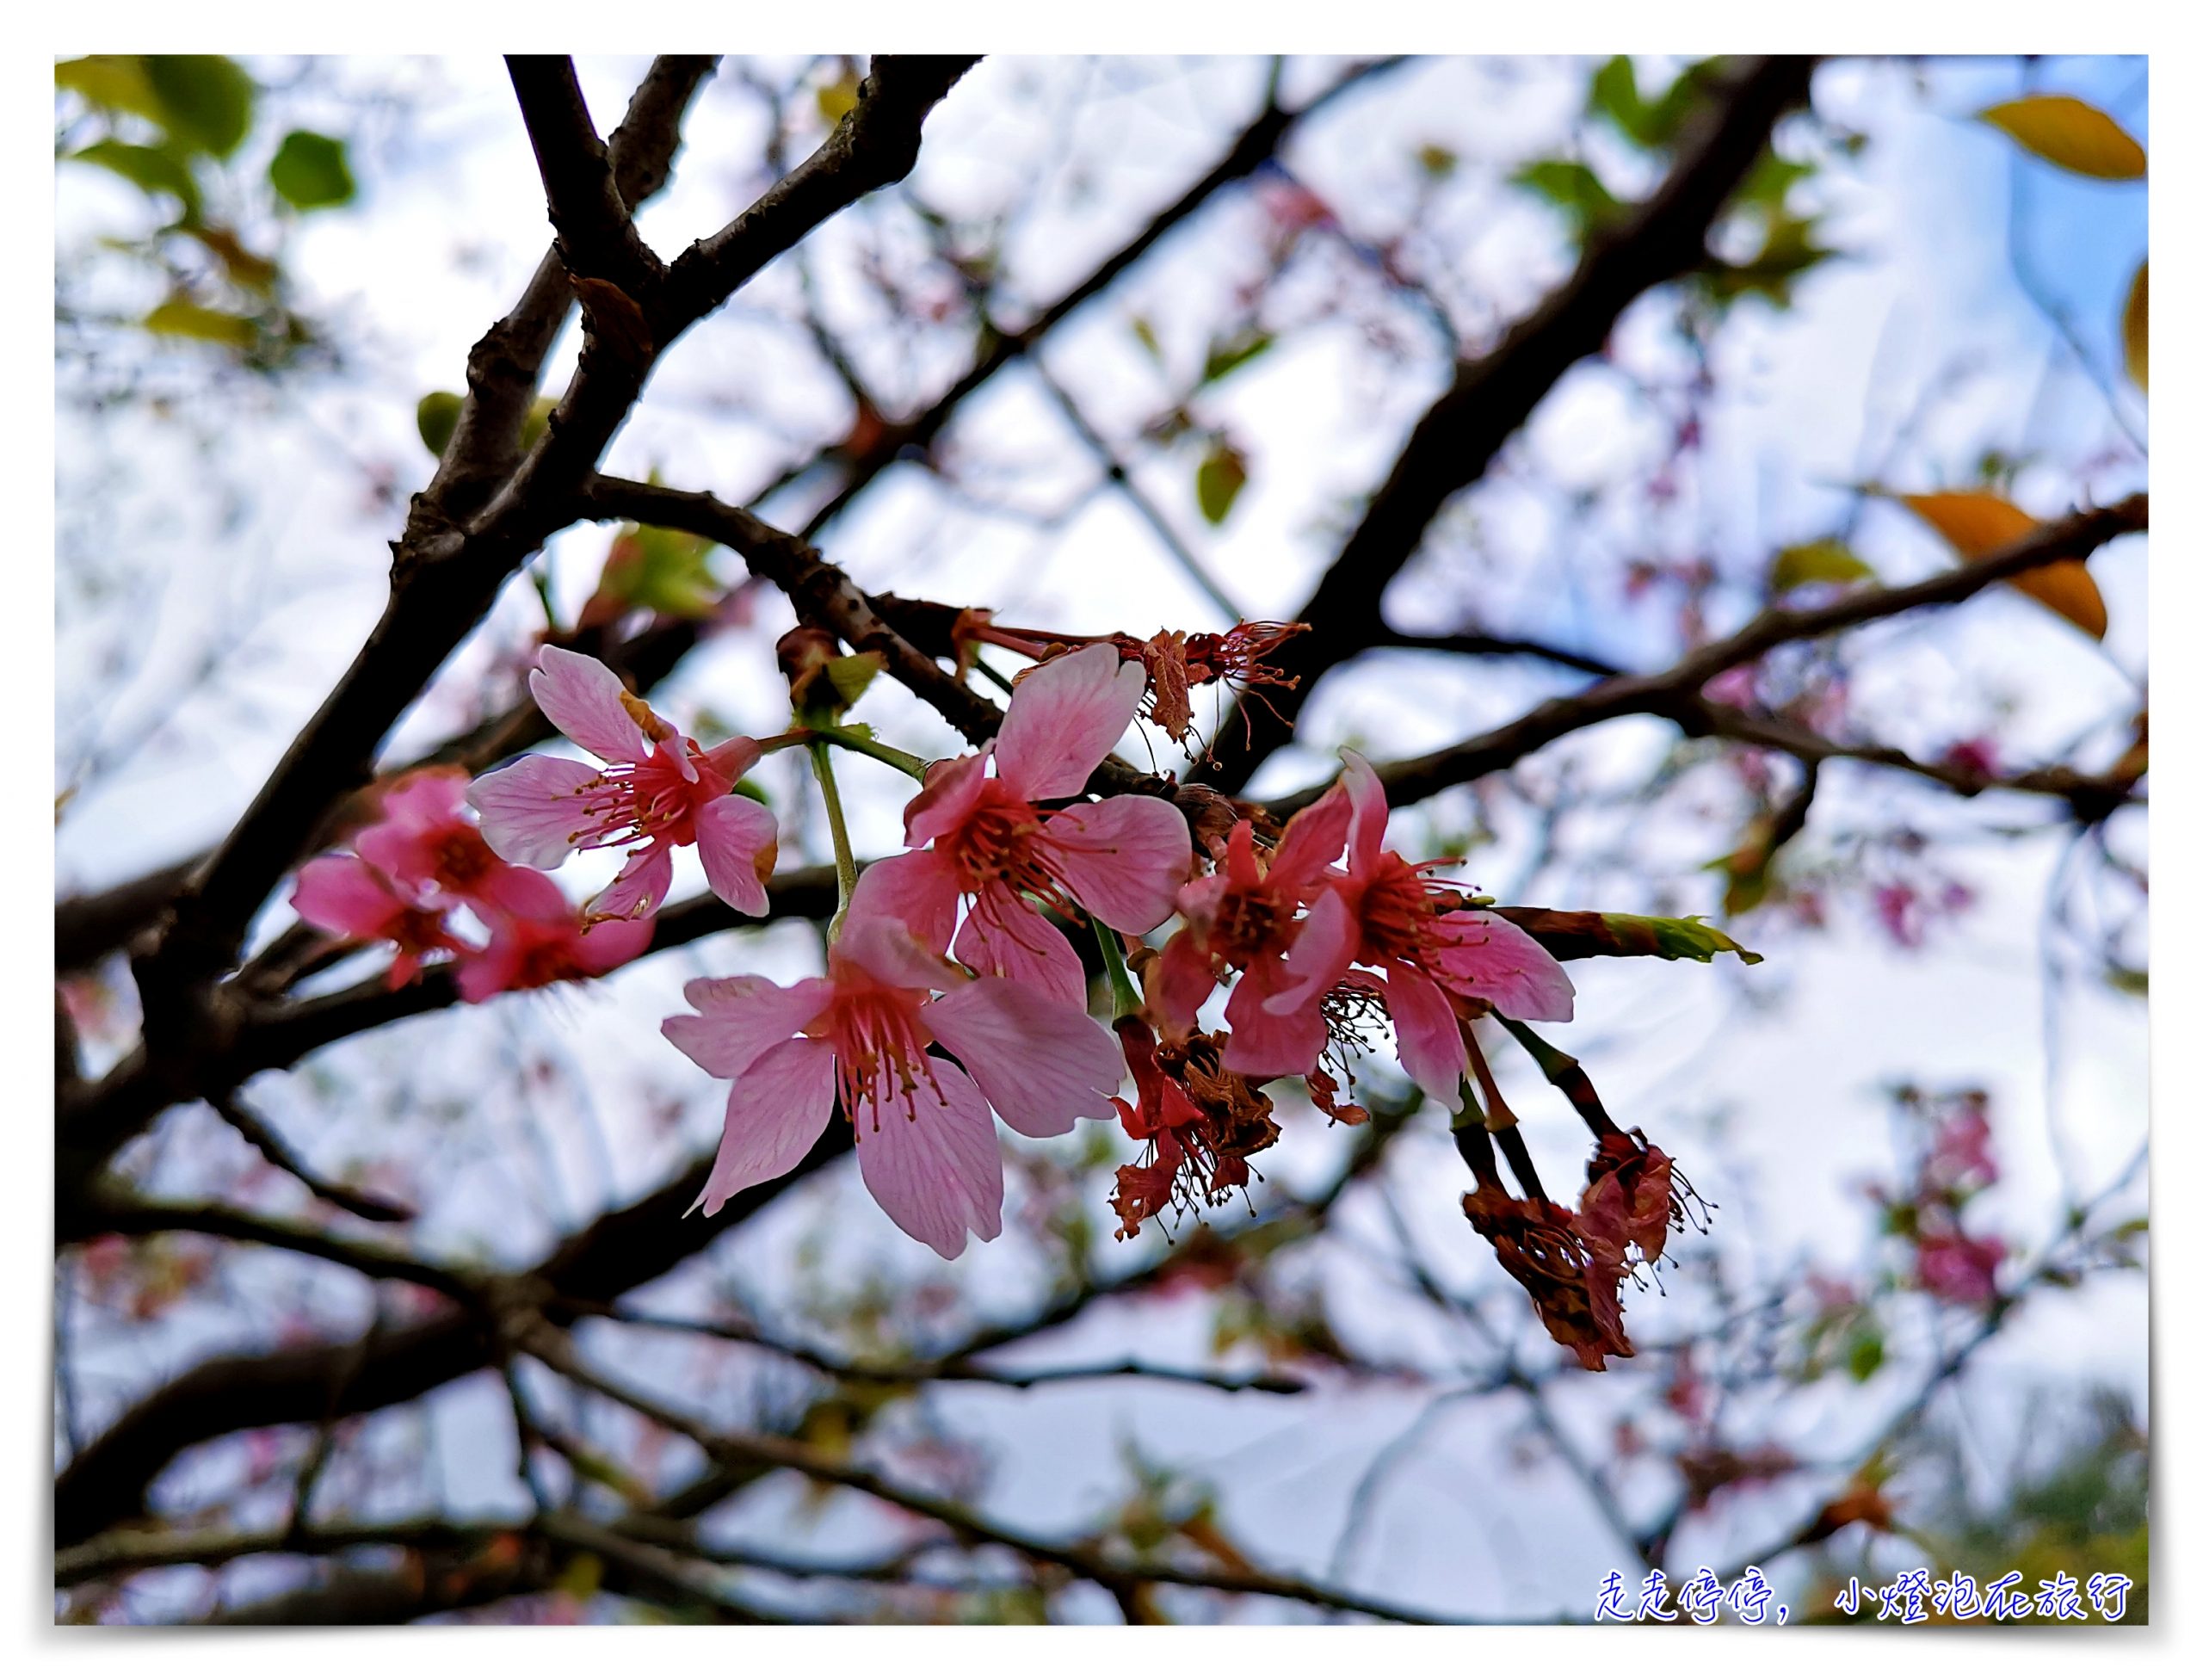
(1665, 118)
(150, 169)
(309, 171)
(112, 81)
(180, 318)
(1827, 561)
(1863, 1354)
(1614, 96)
(852, 674)
(1143, 329)
(1221, 477)
(1573, 189)
(1673, 937)
(1788, 251)
(664, 570)
(2072, 134)
(436, 417)
(1770, 181)
(205, 99)
(1225, 353)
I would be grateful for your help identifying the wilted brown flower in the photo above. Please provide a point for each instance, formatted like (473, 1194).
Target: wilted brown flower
(1573, 1277)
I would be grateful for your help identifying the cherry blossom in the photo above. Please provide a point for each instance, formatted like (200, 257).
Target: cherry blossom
(1246, 915)
(656, 788)
(1434, 948)
(545, 939)
(985, 839)
(426, 843)
(350, 898)
(861, 1035)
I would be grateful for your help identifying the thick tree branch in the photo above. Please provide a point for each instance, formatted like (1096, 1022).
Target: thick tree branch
(597, 238)
(1459, 435)
(89, 926)
(1677, 688)
(447, 572)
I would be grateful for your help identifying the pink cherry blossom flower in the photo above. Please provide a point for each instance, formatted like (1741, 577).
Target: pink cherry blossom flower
(353, 899)
(1959, 1269)
(983, 839)
(426, 843)
(1247, 916)
(545, 939)
(656, 788)
(1434, 948)
(925, 1141)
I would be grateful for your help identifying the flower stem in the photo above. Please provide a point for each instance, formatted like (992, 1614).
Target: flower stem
(851, 741)
(1123, 995)
(845, 862)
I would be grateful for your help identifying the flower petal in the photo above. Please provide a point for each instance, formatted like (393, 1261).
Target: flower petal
(1183, 978)
(738, 841)
(1064, 717)
(1006, 936)
(934, 1166)
(589, 705)
(741, 1018)
(529, 895)
(1312, 839)
(1264, 1046)
(734, 757)
(1043, 1065)
(1487, 956)
(1371, 810)
(344, 896)
(918, 889)
(1123, 858)
(774, 1115)
(1323, 950)
(532, 810)
(640, 887)
(605, 946)
(888, 951)
(952, 789)
(1429, 1035)
(425, 799)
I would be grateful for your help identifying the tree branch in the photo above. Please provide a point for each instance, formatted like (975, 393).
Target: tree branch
(1459, 435)
(1663, 693)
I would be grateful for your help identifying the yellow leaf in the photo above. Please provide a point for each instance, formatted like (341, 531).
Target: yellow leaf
(1977, 524)
(1973, 522)
(2072, 134)
(1824, 562)
(180, 318)
(2134, 327)
(2066, 588)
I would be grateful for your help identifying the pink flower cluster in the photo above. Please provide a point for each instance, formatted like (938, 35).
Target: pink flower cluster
(989, 853)
(950, 995)
(1299, 925)
(409, 875)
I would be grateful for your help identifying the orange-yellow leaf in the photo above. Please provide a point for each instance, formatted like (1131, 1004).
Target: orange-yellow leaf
(2134, 327)
(2072, 134)
(1977, 524)
(1973, 522)
(2066, 588)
